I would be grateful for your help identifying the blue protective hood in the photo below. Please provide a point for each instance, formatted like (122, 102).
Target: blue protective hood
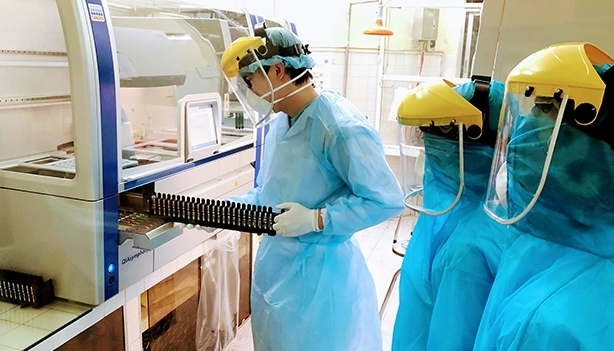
(441, 169)
(442, 162)
(451, 259)
(553, 288)
(576, 205)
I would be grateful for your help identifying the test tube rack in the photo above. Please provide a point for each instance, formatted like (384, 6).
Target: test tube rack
(213, 213)
(25, 289)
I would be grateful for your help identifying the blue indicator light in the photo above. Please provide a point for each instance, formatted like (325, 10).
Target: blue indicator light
(111, 268)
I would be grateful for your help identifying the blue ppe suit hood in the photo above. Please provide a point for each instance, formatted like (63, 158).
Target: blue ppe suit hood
(315, 292)
(451, 260)
(554, 287)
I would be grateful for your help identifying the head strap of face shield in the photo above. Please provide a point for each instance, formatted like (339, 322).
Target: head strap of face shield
(269, 50)
(480, 100)
(585, 117)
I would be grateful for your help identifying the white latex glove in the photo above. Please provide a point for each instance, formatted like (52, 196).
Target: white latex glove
(198, 227)
(298, 220)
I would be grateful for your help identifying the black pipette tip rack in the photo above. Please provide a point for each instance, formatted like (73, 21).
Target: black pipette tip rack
(213, 213)
(25, 289)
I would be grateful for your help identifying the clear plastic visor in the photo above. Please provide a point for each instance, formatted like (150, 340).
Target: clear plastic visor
(258, 109)
(528, 131)
(417, 174)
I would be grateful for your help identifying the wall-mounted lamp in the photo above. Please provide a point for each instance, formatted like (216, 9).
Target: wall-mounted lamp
(379, 28)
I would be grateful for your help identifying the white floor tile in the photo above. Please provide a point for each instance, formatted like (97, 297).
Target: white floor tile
(52, 320)
(22, 315)
(5, 306)
(367, 244)
(22, 337)
(6, 326)
(55, 303)
(71, 307)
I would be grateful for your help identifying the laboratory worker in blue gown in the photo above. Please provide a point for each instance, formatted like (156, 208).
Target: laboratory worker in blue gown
(552, 183)
(447, 139)
(325, 167)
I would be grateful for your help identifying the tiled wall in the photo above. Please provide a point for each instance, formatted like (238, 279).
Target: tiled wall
(362, 78)
(404, 64)
(362, 81)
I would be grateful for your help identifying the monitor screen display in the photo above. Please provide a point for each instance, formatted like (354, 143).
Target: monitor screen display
(200, 125)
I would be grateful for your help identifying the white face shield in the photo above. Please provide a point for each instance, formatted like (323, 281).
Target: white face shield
(260, 107)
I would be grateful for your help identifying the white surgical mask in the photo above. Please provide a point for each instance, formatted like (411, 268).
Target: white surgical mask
(501, 185)
(264, 107)
(259, 104)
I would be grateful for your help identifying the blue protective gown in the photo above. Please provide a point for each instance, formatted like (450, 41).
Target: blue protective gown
(555, 285)
(415, 294)
(452, 259)
(314, 292)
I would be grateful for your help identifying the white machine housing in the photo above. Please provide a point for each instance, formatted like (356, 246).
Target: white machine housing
(90, 122)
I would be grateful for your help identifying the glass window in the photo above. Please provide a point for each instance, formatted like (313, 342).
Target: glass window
(234, 24)
(162, 58)
(166, 51)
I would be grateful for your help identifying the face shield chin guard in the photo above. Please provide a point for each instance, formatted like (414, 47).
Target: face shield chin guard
(528, 132)
(414, 171)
